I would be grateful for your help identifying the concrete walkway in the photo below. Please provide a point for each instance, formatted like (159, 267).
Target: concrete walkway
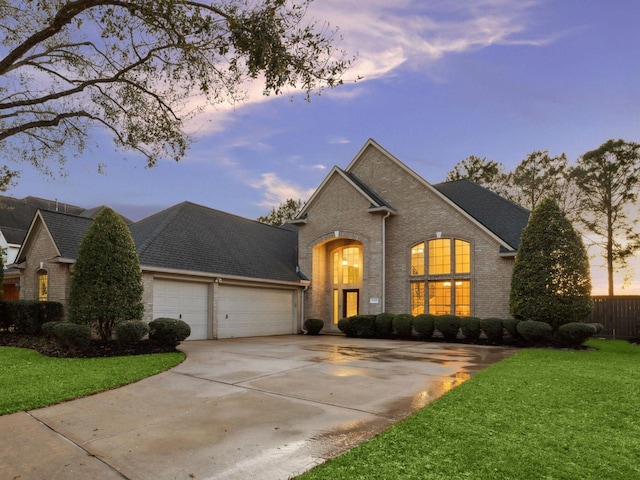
(261, 408)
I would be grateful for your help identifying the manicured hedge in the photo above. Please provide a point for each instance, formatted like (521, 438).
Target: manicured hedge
(424, 325)
(72, 335)
(313, 326)
(384, 325)
(493, 329)
(448, 326)
(27, 316)
(470, 327)
(130, 332)
(535, 332)
(168, 331)
(575, 333)
(403, 325)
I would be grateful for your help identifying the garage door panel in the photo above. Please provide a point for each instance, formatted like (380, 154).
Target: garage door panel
(246, 311)
(188, 301)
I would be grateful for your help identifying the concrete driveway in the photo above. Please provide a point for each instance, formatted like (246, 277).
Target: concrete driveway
(262, 408)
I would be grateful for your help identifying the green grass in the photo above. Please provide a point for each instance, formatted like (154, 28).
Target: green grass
(541, 414)
(30, 380)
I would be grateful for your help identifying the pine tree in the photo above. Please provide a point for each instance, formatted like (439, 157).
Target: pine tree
(106, 286)
(551, 281)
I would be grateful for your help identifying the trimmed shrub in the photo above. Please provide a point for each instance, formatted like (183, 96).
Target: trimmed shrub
(130, 332)
(535, 332)
(598, 326)
(470, 327)
(576, 333)
(344, 325)
(72, 335)
(550, 281)
(511, 326)
(363, 326)
(168, 331)
(423, 324)
(313, 326)
(447, 325)
(403, 325)
(384, 325)
(48, 329)
(493, 329)
(106, 286)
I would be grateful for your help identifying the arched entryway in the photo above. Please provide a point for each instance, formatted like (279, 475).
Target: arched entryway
(345, 265)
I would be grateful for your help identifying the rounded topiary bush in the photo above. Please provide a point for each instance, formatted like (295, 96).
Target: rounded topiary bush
(535, 332)
(447, 325)
(511, 327)
(598, 326)
(575, 333)
(131, 332)
(344, 325)
(493, 329)
(384, 325)
(470, 327)
(424, 324)
(73, 335)
(168, 331)
(313, 326)
(363, 326)
(403, 325)
(48, 329)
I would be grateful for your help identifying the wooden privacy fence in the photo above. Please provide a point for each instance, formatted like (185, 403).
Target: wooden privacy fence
(620, 315)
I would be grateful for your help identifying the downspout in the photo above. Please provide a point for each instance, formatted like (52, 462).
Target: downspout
(384, 262)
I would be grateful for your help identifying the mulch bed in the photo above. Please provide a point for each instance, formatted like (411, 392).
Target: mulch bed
(97, 348)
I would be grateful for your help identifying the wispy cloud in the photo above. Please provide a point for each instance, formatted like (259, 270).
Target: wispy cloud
(388, 35)
(277, 190)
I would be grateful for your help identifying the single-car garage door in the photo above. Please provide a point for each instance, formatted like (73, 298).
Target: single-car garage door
(188, 301)
(254, 312)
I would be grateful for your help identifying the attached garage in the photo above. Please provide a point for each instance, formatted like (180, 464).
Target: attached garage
(188, 301)
(244, 311)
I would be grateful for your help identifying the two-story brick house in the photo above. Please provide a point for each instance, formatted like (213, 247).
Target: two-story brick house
(376, 237)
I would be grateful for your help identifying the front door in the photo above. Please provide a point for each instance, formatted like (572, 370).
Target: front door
(350, 302)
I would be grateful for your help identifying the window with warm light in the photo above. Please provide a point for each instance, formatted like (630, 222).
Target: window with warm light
(417, 259)
(447, 281)
(43, 286)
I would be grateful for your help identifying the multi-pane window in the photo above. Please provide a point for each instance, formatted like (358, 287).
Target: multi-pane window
(43, 286)
(447, 282)
(417, 259)
(417, 298)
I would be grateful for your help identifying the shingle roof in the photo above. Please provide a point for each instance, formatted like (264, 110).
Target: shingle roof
(501, 216)
(67, 231)
(196, 238)
(16, 214)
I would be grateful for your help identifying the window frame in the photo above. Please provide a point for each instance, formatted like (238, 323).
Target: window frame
(458, 277)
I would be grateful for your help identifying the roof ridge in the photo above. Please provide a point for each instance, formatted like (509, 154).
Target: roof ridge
(170, 213)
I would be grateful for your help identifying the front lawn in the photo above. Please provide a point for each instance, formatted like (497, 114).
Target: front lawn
(30, 380)
(541, 414)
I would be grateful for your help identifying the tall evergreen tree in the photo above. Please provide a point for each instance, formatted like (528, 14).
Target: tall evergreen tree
(551, 281)
(106, 286)
(285, 212)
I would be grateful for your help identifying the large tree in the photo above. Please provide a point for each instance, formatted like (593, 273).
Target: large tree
(132, 68)
(488, 173)
(106, 286)
(542, 176)
(285, 212)
(551, 281)
(608, 180)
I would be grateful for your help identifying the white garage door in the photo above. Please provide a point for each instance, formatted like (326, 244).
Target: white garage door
(186, 301)
(254, 312)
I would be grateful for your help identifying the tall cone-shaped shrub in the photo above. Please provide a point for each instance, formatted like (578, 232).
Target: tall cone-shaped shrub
(106, 286)
(551, 282)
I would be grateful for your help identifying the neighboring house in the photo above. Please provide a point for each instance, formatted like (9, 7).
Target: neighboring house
(15, 217)
(224, 275)
(376, 237)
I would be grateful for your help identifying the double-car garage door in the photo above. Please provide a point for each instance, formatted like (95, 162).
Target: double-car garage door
(240, 311)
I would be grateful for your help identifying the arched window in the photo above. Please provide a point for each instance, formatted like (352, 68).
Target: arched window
(446, 286)
(43, 285)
